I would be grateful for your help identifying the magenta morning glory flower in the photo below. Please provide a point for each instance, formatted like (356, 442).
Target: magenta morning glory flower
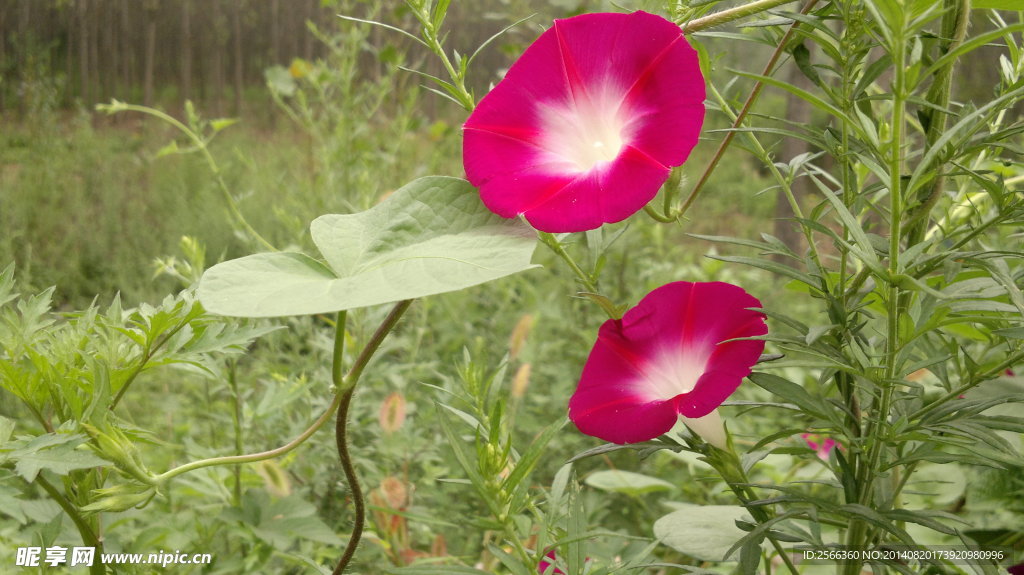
(587, 124)
(670, 355)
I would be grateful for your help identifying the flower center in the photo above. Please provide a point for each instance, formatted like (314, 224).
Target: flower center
(673, 373)
(583, 133)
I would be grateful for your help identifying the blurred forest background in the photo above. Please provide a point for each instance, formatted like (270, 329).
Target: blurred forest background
(80, 52)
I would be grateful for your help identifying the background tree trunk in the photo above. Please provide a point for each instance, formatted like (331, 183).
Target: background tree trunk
(147, 82)
(3, 53)
(236, 20)
(798, 111)
(218, 59)
(186, 50)
(83, 49)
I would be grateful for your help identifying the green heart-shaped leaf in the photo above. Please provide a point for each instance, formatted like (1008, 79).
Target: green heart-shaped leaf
(430, 237)
(705, 532)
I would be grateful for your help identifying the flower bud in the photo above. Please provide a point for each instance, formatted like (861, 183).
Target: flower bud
(395, 492)
(519, 333)
(521, 381)
(392, 413)
(120, 497)
(275, 479)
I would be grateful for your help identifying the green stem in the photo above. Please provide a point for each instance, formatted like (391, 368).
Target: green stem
(432, 41)
(845, 383)
(371, 346)
(237, 423)
(341, 437)
(147, 355)
(253, 457)
(589, 283)
(956, 393)
(200, 145)
(878, 424)
(726, 16)
(662, 218)
(954, 30)
(346, 388)
(784, 182)
(89, 537)
(742, 116)
(728, 465)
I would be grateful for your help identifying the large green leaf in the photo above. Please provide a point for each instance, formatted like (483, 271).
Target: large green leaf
(430, 237)
(626, 482)
(704, 532)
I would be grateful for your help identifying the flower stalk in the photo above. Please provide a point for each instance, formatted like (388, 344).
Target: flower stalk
(200, 144)
(729, 467)
(726, 16)
(346, 388)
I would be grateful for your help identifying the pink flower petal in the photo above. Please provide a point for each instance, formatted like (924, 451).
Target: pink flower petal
(544, 565)
(586, 125)
(822, 445)
(593, 198)
(666, 357)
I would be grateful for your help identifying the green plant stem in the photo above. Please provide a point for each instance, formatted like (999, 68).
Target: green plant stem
(726, 16)
(859, 534)
(237, 424)
(341, 437)
(89, 537)
(253, 457)
(844, 382)
(728, 465)
(1009, 362)
(432, 41)
(346, 388)
(662, 218)
(200, 145)
(954, 30)
(755, 92)
(784, 182)
(589, 283)
(147, 355)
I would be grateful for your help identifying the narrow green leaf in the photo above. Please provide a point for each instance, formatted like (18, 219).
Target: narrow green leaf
(799, 93)
(790, 391)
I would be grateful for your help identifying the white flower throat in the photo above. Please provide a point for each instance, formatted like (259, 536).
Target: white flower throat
(585, 133)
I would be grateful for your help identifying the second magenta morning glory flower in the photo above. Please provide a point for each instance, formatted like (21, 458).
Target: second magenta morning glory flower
(675, 354)
(587, 124)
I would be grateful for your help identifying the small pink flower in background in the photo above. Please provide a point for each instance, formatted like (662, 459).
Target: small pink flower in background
(1016, 569)
(668, 356)
(546, 562)
(587, 124)
(821, 444)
